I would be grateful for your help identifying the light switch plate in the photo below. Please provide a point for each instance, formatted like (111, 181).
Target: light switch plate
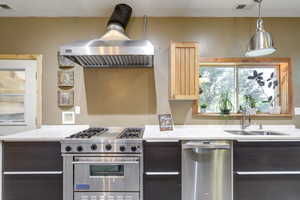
(297, 111)
(77, 110)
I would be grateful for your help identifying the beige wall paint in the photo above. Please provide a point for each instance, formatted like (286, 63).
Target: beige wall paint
(122, 97)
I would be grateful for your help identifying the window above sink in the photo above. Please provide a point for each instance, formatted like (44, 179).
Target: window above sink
(262, 85)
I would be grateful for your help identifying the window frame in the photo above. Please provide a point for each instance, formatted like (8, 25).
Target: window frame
(284, 76)
(37, 72)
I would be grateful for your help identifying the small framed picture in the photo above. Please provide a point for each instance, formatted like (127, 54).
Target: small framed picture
(165, 122)
(68, 117)
(65, 98)
(64, 62)
(65, 78)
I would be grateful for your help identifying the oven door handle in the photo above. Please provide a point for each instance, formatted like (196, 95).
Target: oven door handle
(106, 163)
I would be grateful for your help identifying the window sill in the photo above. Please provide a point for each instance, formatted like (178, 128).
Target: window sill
(237, 115)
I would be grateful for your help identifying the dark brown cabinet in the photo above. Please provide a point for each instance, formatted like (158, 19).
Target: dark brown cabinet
(32, 170)
(33, 187)
(162, 156)
(32, 156)
(162, 171)
(266, 170)
(267, 187)
(162, 187)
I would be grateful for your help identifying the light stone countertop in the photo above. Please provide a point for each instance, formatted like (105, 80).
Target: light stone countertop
(152, 132)
(45, 133)
(217, 132)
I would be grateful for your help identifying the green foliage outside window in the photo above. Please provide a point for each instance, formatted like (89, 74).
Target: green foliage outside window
(242, 90)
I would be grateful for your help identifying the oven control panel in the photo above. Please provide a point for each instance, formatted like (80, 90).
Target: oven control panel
(106, 195)
(125, 146)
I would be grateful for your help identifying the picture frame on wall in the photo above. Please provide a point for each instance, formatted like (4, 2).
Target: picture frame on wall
(64, 62)
(65, 98)
(65, 78)
(165, 122)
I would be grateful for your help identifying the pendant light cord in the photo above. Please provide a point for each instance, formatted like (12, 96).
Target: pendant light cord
(259, 10)
(259, 7)
(259, 23)
(145, 26)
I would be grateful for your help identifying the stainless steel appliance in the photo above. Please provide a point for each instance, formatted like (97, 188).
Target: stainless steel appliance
(103, 164)
(114, 48)
(206, 170)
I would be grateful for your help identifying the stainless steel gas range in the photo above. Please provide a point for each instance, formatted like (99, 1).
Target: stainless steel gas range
(103, 164)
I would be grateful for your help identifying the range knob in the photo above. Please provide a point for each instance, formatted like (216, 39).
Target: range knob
(68, 148)
(108, 147)
(94, 147)
(122, 148)
(133, 148)
(79, 148)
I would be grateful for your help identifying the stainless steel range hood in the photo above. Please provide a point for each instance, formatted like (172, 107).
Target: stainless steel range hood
(114, 48)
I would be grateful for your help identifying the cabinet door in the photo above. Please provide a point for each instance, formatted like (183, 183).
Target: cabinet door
(33, 187)
(32, 170)
(267, 187)
(162, 168)
(162, 157)
(266, 170)
(184, 76)
(164, 187)
(32, 156)
(267, 156)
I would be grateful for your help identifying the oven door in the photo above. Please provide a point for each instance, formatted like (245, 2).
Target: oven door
(107, 174)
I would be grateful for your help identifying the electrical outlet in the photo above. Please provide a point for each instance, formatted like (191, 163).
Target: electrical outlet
(297, 111)
(68, 118)
(77, 110)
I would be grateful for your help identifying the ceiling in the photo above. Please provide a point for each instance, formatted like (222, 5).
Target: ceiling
(186, 8)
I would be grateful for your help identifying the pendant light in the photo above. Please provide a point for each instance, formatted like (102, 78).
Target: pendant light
(261, 43)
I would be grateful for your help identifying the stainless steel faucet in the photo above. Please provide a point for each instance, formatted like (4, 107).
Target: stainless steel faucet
(246, 119)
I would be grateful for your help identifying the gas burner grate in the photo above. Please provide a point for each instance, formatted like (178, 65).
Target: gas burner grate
(132, 133)
(88, 133)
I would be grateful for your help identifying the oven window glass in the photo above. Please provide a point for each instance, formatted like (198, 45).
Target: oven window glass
(106, 170)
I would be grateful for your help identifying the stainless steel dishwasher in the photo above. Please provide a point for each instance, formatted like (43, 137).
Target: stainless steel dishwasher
(206, 170)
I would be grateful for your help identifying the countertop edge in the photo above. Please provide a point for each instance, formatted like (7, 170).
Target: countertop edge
(56, 133)
(31, 139)
(47, 133)
(208, 132)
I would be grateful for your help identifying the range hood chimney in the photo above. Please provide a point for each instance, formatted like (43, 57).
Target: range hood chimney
(114, 48)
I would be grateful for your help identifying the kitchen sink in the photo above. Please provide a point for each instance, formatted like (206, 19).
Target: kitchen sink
(265, 133)
(242, 132)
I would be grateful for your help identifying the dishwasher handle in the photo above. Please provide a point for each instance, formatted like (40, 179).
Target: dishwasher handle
(203, 145)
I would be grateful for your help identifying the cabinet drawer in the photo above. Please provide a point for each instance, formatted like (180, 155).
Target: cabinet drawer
(32, 156)
(163, 187)
(33, 187)
(162, 157)
(267, 156)
(267, 187)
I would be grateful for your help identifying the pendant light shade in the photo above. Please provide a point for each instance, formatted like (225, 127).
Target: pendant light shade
(261, 43)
